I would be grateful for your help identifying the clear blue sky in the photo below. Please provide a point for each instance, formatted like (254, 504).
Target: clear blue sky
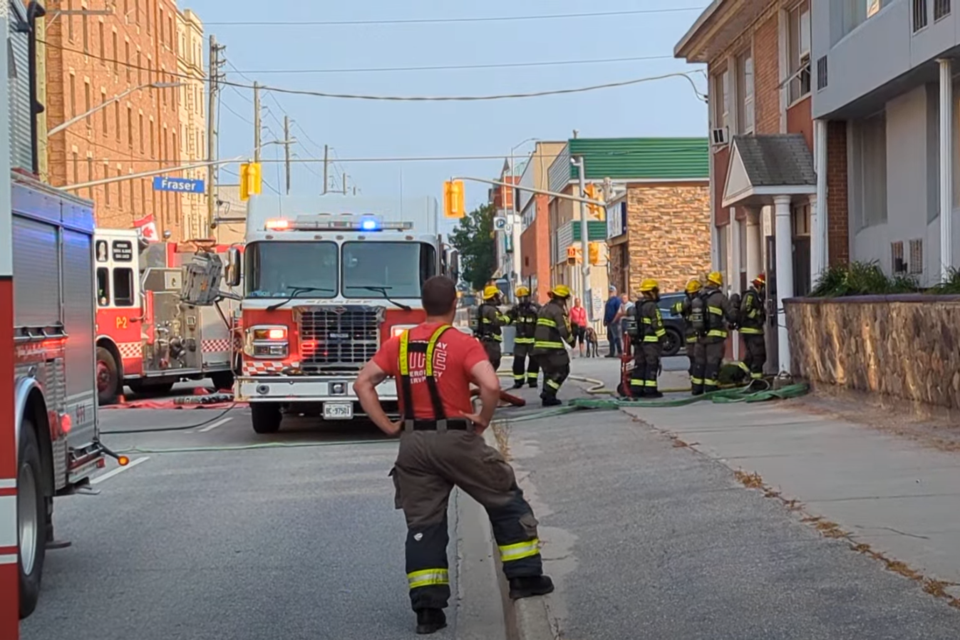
(361, 129)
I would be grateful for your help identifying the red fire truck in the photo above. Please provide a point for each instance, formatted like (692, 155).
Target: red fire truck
(147, 338)
(326, 280)
(55, 393)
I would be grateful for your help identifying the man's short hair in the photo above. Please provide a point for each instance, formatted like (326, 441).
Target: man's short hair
(438, 295)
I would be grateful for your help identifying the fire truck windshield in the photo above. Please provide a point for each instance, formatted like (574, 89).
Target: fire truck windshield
(397, 268)
(274, 269)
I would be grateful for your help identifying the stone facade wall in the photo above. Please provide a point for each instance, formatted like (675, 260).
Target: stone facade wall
(668, 231)
(906, 346)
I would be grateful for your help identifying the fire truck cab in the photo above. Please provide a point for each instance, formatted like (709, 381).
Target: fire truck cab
(147, 337)
(326, 281)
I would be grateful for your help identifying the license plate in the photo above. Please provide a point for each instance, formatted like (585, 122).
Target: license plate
(337, 410)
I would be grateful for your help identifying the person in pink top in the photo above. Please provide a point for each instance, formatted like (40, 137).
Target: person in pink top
(578, 323)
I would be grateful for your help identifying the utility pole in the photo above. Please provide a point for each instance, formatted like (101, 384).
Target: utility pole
(286, 148)
(584, 236)
(256, 122)
(326, 168)
(344, 183)
(212, 133)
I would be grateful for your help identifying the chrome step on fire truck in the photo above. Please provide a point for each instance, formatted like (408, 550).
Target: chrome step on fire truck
(147, 338)
(326, 281)
(55, 391)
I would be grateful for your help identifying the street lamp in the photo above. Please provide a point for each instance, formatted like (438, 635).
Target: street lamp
(515, 226)
(116, 98)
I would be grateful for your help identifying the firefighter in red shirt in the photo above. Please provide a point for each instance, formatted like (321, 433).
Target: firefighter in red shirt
(441, 446)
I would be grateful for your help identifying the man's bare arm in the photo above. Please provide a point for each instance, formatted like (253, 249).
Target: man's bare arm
(483, 375)
(366, 389)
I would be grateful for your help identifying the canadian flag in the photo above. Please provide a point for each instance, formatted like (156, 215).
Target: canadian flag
(146, 229)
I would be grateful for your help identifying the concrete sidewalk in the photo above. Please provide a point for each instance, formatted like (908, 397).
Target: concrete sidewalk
(646, 538)
(890, 495)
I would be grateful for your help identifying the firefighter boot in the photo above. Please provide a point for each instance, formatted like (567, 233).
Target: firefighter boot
(518, 383)
(530, 586)
(430, 620)
(550, 399)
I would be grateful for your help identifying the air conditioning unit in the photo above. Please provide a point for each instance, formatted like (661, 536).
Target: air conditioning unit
(720, 136)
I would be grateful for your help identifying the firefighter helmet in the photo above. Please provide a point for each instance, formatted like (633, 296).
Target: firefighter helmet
(561, 291)
(759, 281)
(693, 286)
(490, 291)
(648, 285)
(522, 292)
(716, 278)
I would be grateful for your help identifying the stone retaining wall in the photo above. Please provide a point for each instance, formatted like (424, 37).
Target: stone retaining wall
(906, 346)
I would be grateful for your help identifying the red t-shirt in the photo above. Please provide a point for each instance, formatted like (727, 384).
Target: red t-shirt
(454, 356)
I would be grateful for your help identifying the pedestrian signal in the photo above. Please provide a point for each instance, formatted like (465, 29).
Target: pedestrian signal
(574, 255)
(453, 199)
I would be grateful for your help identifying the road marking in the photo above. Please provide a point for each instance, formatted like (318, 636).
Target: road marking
(119, 470)
(218, 423)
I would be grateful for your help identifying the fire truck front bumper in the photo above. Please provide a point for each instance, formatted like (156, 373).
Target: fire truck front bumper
(305, 389)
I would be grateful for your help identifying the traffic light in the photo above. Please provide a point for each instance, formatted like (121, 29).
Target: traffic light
(591, 191)
(574, 255)
(251, 179)
(594, 253)
(453, 199)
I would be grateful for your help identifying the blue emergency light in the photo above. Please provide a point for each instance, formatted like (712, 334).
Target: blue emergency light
(369, 224)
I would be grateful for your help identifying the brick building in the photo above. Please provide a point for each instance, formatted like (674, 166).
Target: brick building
(91, 60)
(665, 180)
(535, 231)
(763, 173)
(193, 121)
(660, 231)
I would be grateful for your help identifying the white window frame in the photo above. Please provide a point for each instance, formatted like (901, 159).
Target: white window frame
(746, 93)
(870, 177)
(721, 104)
(800, 79)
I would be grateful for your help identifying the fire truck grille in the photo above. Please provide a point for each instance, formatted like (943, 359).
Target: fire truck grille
(338, 338)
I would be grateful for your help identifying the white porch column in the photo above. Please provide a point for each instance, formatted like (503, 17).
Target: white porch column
(735, 265)
(754, 261)
(783, 231)
(819, 246)
(946, 166)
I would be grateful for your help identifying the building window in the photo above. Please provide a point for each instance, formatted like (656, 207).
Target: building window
(856, 12)
(116, 53)
(745, 117)
(86, 31)
(897, 263)
(153, 140)
(916, 255)
(721, 103)
(90, 176)
(119, 189)
(116, 117)
(73, 95)
(148, 11)
(139, 67)
(86, 98)
(130, 126)
(941, 9)
(76, 168)
(106, 186)
(870, 170)
(126, 60)
(142, 137)
(798, 38)
(919, 15)
(103, 112)
(70, 18)
(103, 43)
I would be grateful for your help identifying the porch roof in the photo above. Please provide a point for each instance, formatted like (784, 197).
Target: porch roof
(764, 166)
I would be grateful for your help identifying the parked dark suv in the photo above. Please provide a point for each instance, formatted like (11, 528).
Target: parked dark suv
(674, 344)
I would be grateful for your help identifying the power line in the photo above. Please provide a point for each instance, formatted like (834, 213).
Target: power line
(555, 16)
(462, 67)
(386, 98)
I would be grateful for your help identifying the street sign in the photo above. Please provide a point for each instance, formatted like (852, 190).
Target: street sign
(181, 185)
(499, 223)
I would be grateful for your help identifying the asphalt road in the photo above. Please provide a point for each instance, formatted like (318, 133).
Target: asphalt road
(650, 540)
(299, 540)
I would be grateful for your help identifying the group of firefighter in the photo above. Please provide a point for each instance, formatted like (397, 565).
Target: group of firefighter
(542, 333)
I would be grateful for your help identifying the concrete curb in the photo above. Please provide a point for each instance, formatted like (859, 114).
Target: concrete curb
(480, 614)
(526, 619)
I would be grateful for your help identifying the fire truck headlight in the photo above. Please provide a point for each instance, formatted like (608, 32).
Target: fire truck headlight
(268, 342)
(397, 329)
